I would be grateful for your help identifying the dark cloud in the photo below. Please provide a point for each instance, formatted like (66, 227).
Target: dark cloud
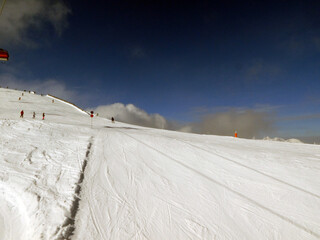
(316, 42)
(296, 46)
(260, 71)
(301, 44)
(301, 117)
(248, 123)
(310, 139)
(20, 16)
(137, 52)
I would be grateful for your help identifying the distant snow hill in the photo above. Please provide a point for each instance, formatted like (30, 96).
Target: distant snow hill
(72, 177)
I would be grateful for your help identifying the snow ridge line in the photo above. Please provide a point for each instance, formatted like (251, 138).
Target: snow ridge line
(68, 225)
(300, 226)
(66, 102)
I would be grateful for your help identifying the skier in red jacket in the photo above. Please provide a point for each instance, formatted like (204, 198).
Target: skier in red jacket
(21, 114)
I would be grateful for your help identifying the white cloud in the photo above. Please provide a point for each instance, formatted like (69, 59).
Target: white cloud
(132, 114)
(47, 86)
(19, 16)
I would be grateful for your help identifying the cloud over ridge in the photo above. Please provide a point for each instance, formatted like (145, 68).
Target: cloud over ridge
(132, 114)
(249, 123)
(46, 86)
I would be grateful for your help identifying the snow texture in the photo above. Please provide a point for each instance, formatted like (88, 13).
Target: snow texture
(73, 177)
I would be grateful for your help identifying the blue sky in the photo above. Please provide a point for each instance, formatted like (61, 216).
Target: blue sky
(174, 57)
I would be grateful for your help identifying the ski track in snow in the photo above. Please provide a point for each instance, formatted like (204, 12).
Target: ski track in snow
(62, 179)
(122, 202)
(235, 192)
(255, 170)
(68, 225)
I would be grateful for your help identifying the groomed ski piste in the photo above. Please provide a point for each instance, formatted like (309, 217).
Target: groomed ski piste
(60, 178)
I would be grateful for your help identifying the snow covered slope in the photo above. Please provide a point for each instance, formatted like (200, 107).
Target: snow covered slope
(142, 183)
(40, 164)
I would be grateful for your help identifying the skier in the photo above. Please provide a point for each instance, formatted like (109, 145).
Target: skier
(34, 115)
(52, 101)
(43, 115)
(21, 114)
(112, 119)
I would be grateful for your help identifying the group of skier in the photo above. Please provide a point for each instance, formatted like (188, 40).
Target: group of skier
(33, 115)
(43, 114)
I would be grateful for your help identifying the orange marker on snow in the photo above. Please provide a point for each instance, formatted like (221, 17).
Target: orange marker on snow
(235, 134)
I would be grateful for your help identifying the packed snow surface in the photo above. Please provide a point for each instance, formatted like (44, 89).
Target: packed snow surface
(72, 177)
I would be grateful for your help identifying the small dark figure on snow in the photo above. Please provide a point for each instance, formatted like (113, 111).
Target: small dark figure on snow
(34, 115)
(52, 101)
(21, 114)
(19, 98)
(112, 119)
(43, 115)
